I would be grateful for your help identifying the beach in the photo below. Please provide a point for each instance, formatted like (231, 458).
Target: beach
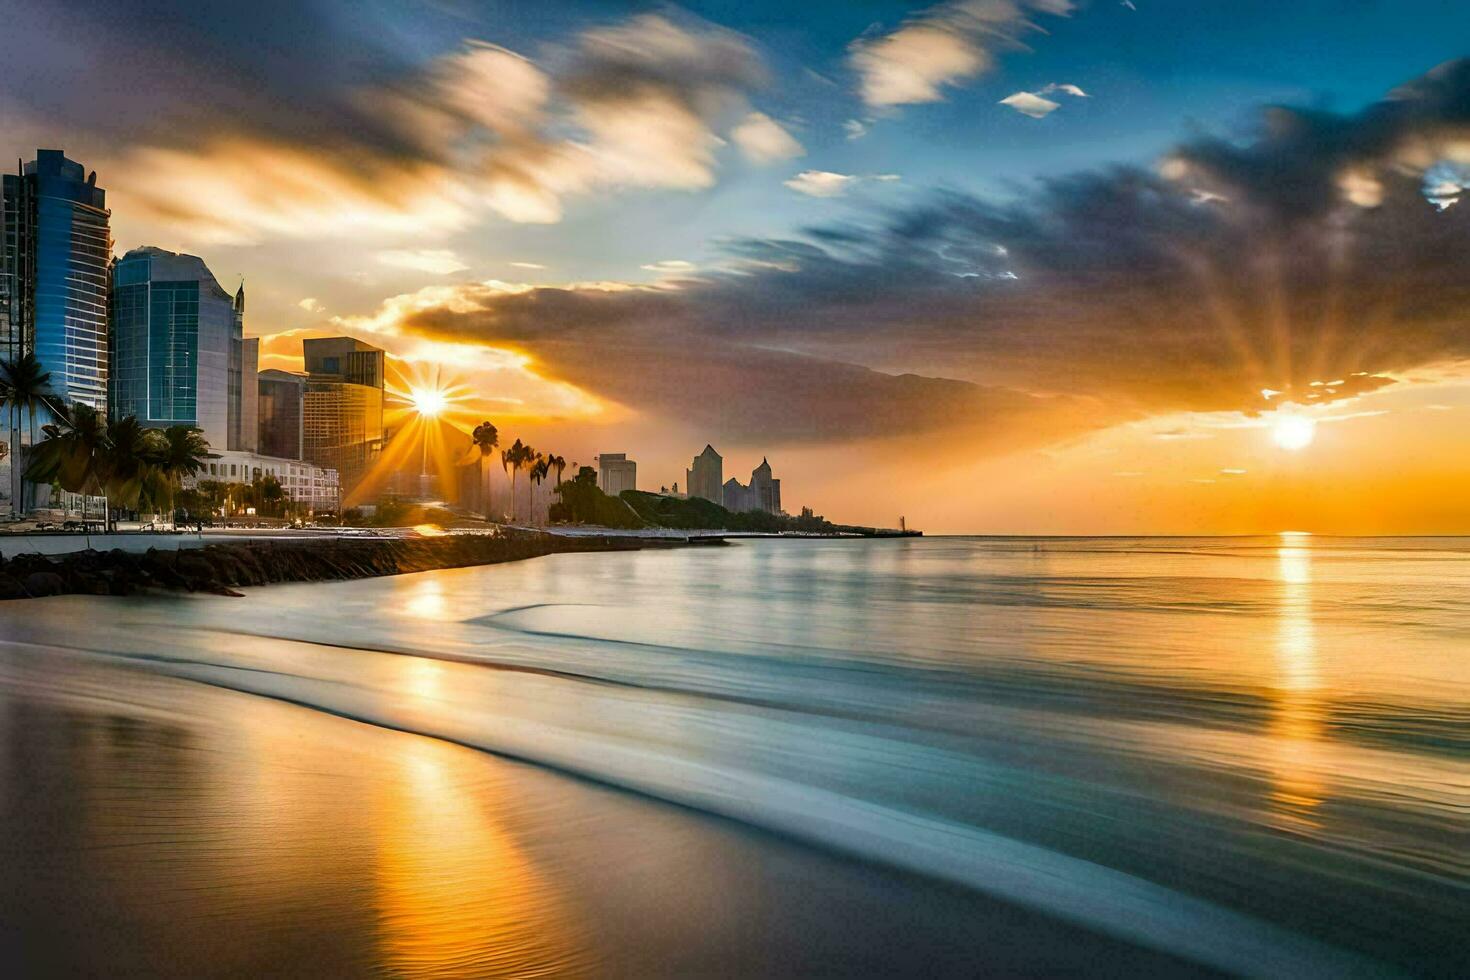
(942, 756)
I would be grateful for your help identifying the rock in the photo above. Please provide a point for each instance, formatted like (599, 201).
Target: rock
(39, 584)
(10, 588)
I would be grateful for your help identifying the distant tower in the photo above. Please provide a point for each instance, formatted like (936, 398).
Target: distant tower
(705, 478)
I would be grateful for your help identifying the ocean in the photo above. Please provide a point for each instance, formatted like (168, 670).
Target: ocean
(1244, 755)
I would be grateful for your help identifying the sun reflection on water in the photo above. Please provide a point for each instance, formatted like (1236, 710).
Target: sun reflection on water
(1296, 729)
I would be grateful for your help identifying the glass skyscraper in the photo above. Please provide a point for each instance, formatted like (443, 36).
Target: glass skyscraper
(55, 246)
(177, 347)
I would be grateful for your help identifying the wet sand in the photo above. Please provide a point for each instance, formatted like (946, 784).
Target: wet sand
(156, 826)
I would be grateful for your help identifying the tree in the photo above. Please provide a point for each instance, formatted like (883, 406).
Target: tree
(513, 459)
(132, 472)
(268, 494)
(485, 438)
(183, 456)
(537, 472)
(122, 460)
(25, 386)
(558, 463)
(74, 452)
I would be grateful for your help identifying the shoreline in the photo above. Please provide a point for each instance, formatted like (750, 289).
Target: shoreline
(220, 568)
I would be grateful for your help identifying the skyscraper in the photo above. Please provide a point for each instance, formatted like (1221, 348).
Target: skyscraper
(55, 246)
(178, 355)
(703, 478)
(281, 397)
(343, 406)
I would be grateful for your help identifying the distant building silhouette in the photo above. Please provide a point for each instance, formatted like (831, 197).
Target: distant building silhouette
(704, 478)
(616, 473)
(763, 493)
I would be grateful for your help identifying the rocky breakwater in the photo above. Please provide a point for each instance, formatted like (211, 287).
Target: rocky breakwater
(222, 568)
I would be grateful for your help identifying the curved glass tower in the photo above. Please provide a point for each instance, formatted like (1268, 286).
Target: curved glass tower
(54, 274)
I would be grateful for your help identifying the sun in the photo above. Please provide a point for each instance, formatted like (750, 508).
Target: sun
(1294, 432)
(428, 402)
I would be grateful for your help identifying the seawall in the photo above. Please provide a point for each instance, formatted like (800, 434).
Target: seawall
(221, 568)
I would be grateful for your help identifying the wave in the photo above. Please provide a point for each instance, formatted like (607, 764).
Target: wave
(1033, 876)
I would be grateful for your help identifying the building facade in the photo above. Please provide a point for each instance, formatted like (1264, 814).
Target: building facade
(279, 408)
(705, 477)
(763, 493)
(305, 483)
(177, 348)
(342, 413)
(616, 473)
(55, 248)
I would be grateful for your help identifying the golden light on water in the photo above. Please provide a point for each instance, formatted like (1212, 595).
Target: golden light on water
(1294, 754)
(1293, 432)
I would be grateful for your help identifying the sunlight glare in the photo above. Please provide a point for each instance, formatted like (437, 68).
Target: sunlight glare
(428, 402)
(1293, 432)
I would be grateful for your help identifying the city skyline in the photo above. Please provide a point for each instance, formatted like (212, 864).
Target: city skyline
(1060, 282)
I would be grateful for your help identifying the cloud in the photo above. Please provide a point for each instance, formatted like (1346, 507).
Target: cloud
(670, 266)
(763, 140)
(367, 143)
(528, 265)
(1035, 105)
(820, 183)
(311, 305)
(855, 129)
(825, 183)
(439, 261)
(940, 47)
(1087, 300)
(1028, 104)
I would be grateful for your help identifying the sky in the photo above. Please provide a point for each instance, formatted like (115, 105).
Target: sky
(997, 266)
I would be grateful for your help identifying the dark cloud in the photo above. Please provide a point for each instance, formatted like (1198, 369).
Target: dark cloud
(1308, 255)
(243, 123)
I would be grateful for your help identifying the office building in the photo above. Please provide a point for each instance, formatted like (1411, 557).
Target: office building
(705, 476)
(763, 492)
(616, 473)
(306, 483)
(246, 436)
(177, 349)
(279, 406)
(342, 415)
(55, 246)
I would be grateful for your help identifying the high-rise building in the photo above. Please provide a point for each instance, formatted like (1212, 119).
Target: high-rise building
(55, 246)
(763, 493)
(343, 406)
(703, 478)
(616, 473)
(345, 359)
(177, 350)
(279, 404)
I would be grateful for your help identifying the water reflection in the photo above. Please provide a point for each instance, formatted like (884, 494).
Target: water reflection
(455, 894)
(1296, 725)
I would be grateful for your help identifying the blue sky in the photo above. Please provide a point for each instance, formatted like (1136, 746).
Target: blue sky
(808, 229)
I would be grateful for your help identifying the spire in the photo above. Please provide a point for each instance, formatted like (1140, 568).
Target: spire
(240, 298)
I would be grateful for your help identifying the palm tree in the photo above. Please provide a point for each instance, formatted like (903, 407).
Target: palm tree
(132, 473)
(507, 457)
(558, 463)
(538, 470)
(183, 456)
(25, 386)
(74, 452)
(485, 438)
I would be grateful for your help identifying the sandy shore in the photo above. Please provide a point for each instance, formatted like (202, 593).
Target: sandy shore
(155, 826)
